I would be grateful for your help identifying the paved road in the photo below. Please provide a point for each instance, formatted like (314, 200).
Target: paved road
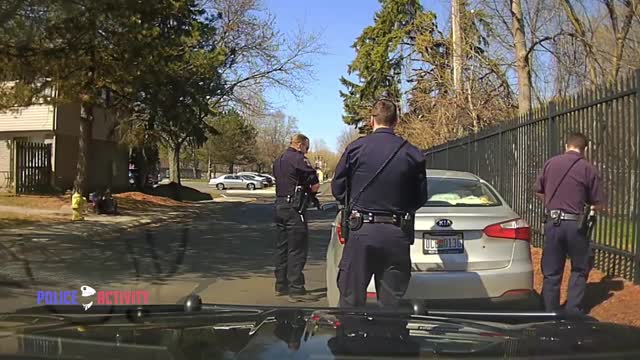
(225, 255)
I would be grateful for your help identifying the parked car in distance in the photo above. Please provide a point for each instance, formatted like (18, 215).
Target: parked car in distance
(263, 181)
(470, 248)
(235, 182)
(266, 181)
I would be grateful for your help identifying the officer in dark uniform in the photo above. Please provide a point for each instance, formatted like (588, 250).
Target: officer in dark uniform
(568, 184)
(381, 245)
(292, 170)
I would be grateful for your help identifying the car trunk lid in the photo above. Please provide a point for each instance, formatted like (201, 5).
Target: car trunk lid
(453, 239)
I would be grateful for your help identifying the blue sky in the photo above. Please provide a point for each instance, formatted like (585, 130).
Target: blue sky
(319, 112)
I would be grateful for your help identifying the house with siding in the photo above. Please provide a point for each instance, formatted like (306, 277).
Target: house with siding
(59, 125)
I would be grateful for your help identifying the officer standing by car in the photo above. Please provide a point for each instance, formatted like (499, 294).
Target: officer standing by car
(570, 187)
(381, 180)
(296, 184)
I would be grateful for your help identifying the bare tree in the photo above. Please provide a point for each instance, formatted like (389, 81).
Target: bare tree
(259, 56)
(274, 134)
(345, 138)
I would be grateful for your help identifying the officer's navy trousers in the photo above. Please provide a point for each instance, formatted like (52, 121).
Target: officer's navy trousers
(292, 246)
(562, 241)
(379, 250)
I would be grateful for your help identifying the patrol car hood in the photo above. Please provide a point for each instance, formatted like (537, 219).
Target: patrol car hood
(304, 333)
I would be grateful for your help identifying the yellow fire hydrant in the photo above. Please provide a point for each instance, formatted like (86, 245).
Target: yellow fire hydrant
(78, 206)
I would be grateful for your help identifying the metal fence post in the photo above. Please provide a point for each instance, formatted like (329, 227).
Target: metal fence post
(552, 130)
(14, 165)
(469, 154)
(500, 179)
(636, 205)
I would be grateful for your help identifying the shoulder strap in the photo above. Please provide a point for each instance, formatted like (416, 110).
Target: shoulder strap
(355, 198)
(562, 179)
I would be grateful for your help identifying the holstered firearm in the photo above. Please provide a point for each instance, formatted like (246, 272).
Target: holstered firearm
(300, 199)
(345, 214)
(587, 220)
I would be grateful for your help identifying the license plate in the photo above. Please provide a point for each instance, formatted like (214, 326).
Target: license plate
(443, 244)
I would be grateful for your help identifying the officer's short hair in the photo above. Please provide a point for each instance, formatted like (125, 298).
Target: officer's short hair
(299, 139)
(577, 140)
(384, 112)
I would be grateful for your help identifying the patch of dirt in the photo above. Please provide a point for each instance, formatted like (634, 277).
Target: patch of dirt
(609, 299)
(137, 201)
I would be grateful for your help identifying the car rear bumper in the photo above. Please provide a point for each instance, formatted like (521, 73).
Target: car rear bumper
(497, 285)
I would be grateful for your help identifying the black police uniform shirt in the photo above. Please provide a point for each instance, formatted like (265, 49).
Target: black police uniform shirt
(581, 186)
(292, 169)
(401, 187)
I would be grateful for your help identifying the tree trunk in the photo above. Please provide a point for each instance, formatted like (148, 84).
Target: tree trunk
(231, 168)
(456, 34)
(209, 167)
(522, 62)
(174, 163)
(143, 168)
(81, 183)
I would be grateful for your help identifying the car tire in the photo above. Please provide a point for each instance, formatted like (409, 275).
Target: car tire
(251, 187)
(220, 186)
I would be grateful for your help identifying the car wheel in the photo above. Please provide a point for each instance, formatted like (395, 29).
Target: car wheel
(251, 186)
(220, 186)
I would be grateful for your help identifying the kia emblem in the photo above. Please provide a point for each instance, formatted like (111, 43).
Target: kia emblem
(444, 222)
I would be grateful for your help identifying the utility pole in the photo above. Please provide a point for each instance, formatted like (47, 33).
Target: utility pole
(456, 34)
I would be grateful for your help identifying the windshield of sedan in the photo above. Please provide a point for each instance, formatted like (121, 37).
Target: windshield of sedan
(453, 192)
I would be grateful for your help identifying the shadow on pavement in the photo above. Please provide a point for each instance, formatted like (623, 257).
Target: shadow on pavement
(226, 241)
(179, 192)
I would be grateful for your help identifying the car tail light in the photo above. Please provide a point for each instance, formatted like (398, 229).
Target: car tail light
(517, 229)
(339, 232)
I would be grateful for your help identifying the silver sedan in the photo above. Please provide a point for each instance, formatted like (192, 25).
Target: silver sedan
(235, 182)
(469, 247)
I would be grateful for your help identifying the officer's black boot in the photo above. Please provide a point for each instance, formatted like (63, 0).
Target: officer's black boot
(300, 295)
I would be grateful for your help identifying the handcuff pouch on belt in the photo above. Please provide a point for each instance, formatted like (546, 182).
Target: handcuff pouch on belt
(555, 216)
(355, 221)
(407, 223)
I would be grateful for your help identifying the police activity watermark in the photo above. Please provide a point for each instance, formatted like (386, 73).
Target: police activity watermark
(88, 296)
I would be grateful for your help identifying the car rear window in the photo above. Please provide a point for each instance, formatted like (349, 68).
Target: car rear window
(459, 193)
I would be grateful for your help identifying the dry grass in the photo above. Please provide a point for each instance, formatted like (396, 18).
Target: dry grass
(35, 201)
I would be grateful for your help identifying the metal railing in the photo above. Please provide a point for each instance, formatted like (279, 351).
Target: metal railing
(510, 156)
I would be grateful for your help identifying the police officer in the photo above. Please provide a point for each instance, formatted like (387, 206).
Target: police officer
(381, 245)
(568, 184)
(292, 169)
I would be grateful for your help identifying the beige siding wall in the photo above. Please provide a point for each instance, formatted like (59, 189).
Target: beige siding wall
(68, 121)
(36, 117)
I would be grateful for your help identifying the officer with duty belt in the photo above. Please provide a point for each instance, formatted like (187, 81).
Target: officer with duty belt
(571, 189)
(296, 185)
(381, 181)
